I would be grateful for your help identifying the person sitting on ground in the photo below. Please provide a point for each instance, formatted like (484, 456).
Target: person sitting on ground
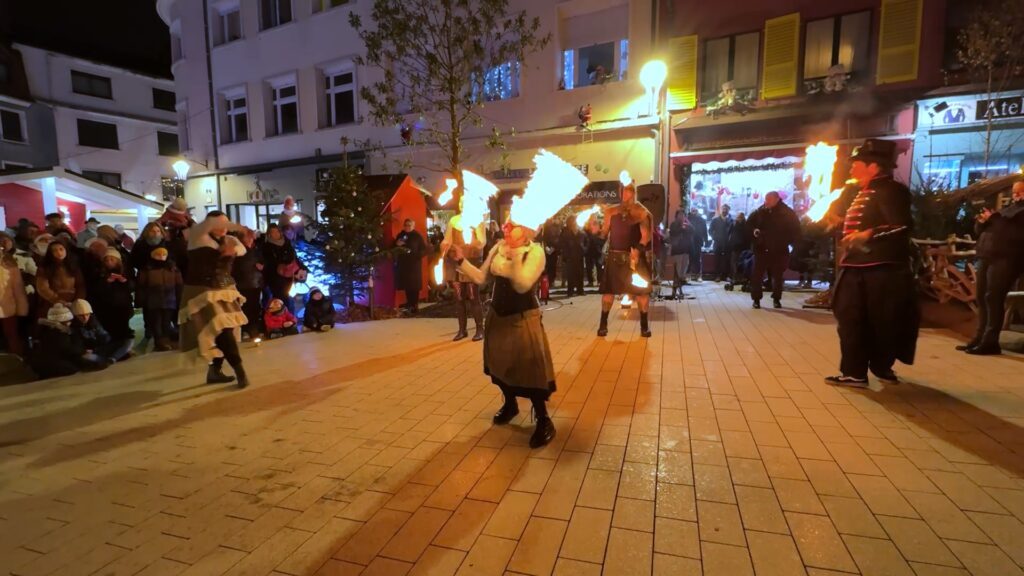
(100, 350)
(156, 292)
(55, 352)
(110, 293)
(279, 321)
(319, 314)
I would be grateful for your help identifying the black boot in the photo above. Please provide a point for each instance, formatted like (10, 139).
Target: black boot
(508, 411)
(243, 380)
(460, 312)
(602, 330)
(215, 373)
(543, 433)
(645, 329)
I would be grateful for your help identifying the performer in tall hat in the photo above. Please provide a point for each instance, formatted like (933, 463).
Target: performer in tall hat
(210, 314)
(517, 356)
(629, 229)
(875, 300)
(467, 293)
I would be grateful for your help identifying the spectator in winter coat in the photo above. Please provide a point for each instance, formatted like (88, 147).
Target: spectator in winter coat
(177, 222)
(571, 249)
(700, 239)
(775, 228)
(279, 320)
(247, 270)
(739, 240)
(100, 350)
(113, 238)
(55, 225)
(58, 280)
(721, 226)
(680, 235)
(319, 314)
(110, 293)
(156, 292)
(593, 250)
(91, 225)
(26, 235)
(55, 351)
(281, 265)
(13, 299)
(152, 237)
(92, 258)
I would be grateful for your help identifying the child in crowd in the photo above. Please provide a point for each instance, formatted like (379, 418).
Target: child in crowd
(279, 320)
(100, 350)
(55, 351)
(111, 296)
(319, 314)
(156, 293)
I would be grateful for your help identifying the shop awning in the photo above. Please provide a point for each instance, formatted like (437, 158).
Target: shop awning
(738, 155)
(73, 186)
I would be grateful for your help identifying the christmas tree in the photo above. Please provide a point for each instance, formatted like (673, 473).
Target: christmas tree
(354, 228)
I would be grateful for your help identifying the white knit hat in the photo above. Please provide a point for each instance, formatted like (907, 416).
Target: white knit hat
(79, 307)
(59, 313)
(113, 253)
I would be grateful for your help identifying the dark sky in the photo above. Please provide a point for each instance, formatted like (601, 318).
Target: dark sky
(125, 33)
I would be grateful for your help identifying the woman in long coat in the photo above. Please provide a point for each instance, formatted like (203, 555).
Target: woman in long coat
(409, 264)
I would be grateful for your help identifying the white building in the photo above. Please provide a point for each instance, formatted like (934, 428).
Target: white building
(265, 98)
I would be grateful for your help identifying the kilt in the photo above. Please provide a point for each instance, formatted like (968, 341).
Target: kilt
(618, 274)
(517, 355)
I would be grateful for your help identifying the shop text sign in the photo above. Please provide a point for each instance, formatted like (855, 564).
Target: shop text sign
(599, 193)
(1000, 108)
(524, 173)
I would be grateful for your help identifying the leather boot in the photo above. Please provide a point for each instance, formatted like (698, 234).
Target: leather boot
(508, 411)
(243, 380)
(543, 433)
(215, 374)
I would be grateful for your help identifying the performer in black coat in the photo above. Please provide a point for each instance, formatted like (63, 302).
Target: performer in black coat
(1001, 250)
(409, 264)
(875, 300)
(774, 227)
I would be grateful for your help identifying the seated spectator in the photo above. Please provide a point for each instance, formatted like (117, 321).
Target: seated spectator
(156, 292)
(13, 299)
(110, 293)
(319, 314)
(58, 280)
(100, 349)
(55, 351)
(279, 321)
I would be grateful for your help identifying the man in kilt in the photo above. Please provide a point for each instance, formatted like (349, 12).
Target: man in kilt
(628, 228)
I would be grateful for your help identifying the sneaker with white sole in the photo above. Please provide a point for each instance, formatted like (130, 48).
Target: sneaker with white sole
(851, 381)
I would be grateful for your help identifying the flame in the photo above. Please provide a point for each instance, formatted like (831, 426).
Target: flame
(625, 178)
(819, 164)
(449, 192)
(583, 217)
(639, 281)
(477, 191)
(627, 301)
(439, 272)
(554, 184)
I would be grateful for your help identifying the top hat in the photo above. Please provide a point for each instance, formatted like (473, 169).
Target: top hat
(874, 150)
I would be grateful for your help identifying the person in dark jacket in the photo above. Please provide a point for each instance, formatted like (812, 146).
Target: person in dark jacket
(153, 236)
(571, 248)
(248, 272)
(875, 298)
(593, 250)
(775, 227)
(55, 351)
(110, 293)
(409, 264)
(550, 237)
(156, 292)
(100, 350)
(700, 239)
(739, 240)
(319, 313)
(281, 265)
(721, 227)
(680, 239)
(1001, 250)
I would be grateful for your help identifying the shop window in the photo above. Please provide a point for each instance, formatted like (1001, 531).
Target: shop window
(941, 172)
(733, 58)
(325, 5)
(500, 83)
(12, 126)
(285, 101)
(111, 179)
(167, 144)
(275, 13)
(339, 96)
(97, 134)
(91, 85)
(227, 23)
(235, 127)
(840, 40)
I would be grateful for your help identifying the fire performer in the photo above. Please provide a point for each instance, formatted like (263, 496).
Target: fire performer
(629, 230)
(467, 293)
(875, 300)
(211, 307)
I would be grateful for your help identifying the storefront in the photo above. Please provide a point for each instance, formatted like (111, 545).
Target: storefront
(953, 134)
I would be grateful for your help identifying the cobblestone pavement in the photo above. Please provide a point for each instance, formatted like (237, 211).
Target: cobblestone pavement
(713, 447)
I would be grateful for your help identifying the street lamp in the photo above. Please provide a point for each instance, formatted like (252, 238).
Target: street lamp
(181, 169)
(652, 77)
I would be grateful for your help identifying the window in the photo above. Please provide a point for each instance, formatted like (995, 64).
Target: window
(163, 99)
(275, 13)
(500, 83)
(325, 5)
(97, 134)
(733, 58)
(341, 97)
(12, 126)
(839, 40)
(941, 172)
(227, 24)
(593, 65)
(236, 127)
(171, 188)
(167, 144)
(286, 109)
(112, 179)
(91, 85)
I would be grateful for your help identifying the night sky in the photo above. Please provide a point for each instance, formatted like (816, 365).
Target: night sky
(125, 33)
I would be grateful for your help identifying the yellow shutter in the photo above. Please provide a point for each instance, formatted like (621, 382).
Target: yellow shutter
(682, 73)
(781, 56)
(899, 41)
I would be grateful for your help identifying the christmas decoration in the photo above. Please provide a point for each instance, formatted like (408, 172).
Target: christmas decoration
(406, 131)
(729, 100)
(584, 114)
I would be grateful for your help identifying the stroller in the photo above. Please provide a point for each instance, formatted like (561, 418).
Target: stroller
(744, 268)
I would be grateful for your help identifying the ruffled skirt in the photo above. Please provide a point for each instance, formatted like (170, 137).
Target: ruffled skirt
(204, 313)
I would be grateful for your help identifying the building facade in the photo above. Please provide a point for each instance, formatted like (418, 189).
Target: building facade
(267, 89)
(750, 89)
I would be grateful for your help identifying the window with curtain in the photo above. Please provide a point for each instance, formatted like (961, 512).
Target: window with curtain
(733, 58)
(838, 40)
(500, 83)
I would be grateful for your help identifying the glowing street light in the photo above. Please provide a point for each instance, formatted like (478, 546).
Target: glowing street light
(652, 77)
(181, 169)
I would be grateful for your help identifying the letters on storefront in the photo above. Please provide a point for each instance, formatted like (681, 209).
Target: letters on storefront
(1000, 108)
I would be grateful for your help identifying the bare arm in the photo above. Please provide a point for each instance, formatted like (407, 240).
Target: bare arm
(479, 275)
(527, 269)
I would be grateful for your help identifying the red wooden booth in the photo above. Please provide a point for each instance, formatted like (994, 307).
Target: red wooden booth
(406, 200)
